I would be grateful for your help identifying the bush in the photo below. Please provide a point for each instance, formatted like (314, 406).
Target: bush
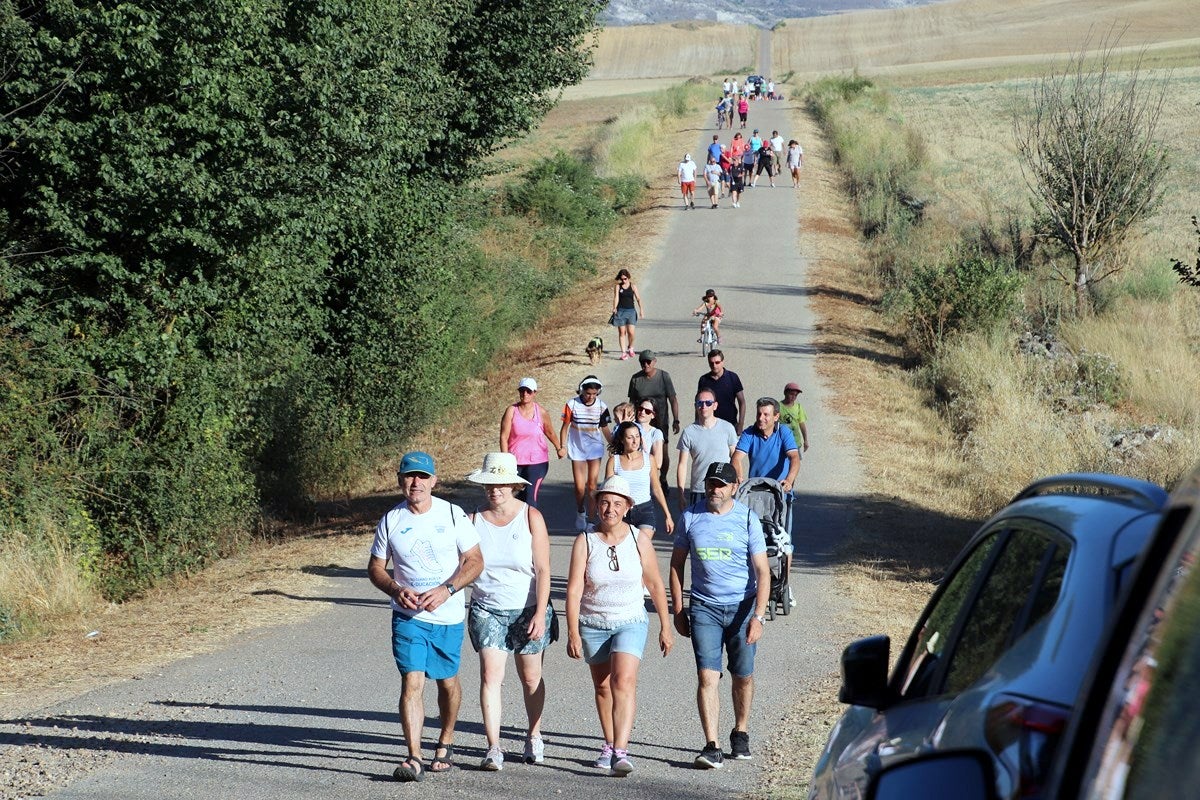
(971, 292)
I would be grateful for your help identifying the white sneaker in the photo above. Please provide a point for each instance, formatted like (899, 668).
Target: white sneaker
(535, 750)
(581, 522)
(494, 760)
(791, 601)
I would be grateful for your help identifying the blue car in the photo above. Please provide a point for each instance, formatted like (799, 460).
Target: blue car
(996, 660)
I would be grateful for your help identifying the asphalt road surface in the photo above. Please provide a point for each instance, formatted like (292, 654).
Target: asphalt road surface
(309, 710)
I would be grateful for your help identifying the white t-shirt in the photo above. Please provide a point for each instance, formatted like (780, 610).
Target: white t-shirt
(777, 144)
(712, 174)
(687, 171)
(424, 550)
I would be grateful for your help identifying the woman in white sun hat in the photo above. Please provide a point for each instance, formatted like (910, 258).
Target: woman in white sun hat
(510, 602)
(606, 616)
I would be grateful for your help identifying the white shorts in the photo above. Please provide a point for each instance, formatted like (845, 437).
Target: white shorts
(585, 445)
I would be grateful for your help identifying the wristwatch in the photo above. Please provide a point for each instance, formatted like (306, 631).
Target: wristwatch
(761, 618)
(450, 587)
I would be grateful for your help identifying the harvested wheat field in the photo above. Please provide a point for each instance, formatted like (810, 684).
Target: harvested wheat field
(676, 49)
(977, 32)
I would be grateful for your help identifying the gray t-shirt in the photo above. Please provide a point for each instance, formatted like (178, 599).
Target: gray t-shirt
(706, 446)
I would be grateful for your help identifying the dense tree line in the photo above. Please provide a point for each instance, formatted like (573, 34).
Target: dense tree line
(233, 261)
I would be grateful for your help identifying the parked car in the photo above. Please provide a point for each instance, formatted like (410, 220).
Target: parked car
(1134, 733)
(757, 81)
(997, 658)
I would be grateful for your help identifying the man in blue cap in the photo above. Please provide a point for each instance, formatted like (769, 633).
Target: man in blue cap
(434, 550)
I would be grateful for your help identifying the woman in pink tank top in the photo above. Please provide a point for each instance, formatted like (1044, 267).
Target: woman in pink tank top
(524, 430)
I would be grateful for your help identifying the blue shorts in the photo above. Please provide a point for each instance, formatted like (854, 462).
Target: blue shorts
(506, 629)
(642, 515)
(625, 316)
(426, 647)
(600, 643)
(716, 626)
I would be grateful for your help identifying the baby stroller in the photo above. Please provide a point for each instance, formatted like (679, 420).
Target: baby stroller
(766, 498)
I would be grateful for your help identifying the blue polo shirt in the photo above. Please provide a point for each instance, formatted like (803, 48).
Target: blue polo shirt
(714, 150)
(768, 456)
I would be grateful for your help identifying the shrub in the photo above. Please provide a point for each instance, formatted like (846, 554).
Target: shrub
(971, 292)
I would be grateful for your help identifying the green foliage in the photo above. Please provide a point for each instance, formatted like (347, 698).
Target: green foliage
(231, 257)
(1098, 379)
(826, 94)
(1189, 275)
(971, 292)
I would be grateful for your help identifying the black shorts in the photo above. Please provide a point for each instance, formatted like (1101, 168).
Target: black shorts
(766, 165)
(642, 515)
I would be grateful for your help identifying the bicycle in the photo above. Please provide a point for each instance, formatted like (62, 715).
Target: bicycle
(720, 118)
(708, 336)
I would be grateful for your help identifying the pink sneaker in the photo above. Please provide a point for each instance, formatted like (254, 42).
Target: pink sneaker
(625, 355)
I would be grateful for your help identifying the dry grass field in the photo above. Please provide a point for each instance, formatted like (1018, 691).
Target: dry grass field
(675, 49)
(975, 34)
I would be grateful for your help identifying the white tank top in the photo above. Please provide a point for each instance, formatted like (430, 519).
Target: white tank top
(638, 479)
(507, 581)
(612, 598)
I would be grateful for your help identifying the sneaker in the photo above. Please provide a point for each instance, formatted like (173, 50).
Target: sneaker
(622, 764)
(739, 745)
(791, 601)
(710, 757)
(604, 760)
(494, 760)
(624, 356)
(581, 522)
(535, 750)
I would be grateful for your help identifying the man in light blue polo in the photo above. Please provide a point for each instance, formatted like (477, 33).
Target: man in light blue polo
(768, 449)
(435, 554)
(731, 582)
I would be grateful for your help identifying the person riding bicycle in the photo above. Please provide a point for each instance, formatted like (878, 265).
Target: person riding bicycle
(722, 109)
(711, 311)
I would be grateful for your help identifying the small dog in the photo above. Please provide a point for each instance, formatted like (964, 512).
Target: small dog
(595, 350)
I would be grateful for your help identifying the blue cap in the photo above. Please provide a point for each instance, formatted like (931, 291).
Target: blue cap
(417, 461)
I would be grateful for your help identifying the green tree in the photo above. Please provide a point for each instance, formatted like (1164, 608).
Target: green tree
(1090, 156)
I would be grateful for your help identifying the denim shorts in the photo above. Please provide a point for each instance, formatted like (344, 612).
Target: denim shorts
(426, 647)
(716, 626)
(600, 643)
(642, 515)
(506, 629)
(625, 316)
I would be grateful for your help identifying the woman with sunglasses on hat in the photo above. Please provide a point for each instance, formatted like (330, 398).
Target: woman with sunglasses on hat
(585, 420)
(640, 469)
(606, 616)
(510, 608)
(524, 431)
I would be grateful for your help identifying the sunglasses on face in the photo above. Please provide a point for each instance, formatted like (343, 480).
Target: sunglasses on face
(646, 411)
(705, 403)
(524, 391)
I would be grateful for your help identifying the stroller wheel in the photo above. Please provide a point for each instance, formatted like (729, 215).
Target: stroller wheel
(771, 609)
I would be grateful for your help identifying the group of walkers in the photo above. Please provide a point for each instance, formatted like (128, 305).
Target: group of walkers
(427, 551)
(732, 168)
(436, 550)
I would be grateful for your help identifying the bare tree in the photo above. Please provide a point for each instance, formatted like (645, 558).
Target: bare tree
(1088, 151)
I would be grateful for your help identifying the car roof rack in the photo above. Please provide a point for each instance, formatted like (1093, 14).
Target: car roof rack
(1141, 493)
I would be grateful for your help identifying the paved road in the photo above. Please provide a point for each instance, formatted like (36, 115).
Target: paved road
(309, 710)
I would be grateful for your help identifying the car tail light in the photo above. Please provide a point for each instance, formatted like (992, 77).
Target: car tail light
(1024, 733)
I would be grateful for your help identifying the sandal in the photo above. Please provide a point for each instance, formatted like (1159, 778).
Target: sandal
(410, 770)
(446, 761)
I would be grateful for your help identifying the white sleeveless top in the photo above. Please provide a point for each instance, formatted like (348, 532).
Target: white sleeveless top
(638, 479)
(507, 581)
(612, 598)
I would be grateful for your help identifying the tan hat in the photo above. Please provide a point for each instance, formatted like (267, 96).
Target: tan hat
(498, 468)
(618, 486)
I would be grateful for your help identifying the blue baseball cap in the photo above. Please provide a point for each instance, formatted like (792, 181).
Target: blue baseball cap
(417, 462)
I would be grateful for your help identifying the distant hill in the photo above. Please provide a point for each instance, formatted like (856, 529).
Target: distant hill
(761, 13)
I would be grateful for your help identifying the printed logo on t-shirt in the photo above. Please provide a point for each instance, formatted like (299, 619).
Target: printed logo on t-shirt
(422, 552)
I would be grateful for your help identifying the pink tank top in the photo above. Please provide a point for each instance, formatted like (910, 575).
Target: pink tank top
(527, 439)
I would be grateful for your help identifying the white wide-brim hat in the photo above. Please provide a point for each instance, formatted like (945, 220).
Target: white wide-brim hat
(616, 485)
(498, 468)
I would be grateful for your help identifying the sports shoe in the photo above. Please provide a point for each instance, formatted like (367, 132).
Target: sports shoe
(581, 522)
(622, 764)
(535, 750)
(739, 745)
(624, 355)
(494, 760)
(710, 757)
(604, 760)
(791, 601)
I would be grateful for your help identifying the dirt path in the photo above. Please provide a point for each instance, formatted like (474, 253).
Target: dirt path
(307, 708)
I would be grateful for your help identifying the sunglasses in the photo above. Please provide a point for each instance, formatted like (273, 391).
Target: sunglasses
(646, 411)
(523, 390)
(613, 564)
(705, 403)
